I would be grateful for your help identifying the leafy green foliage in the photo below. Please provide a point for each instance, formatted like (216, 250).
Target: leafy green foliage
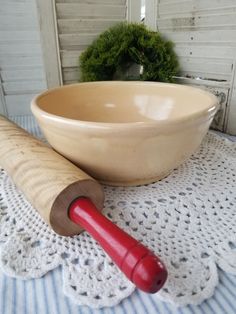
(125, 44)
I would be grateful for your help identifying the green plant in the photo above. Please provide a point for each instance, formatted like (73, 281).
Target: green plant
(125, 44)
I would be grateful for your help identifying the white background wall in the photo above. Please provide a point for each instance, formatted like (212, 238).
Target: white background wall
(21, 66)
(204, 33)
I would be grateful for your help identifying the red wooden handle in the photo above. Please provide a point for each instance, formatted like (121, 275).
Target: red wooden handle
(136, 261)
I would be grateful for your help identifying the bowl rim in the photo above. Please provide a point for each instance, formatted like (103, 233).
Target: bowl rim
(204, 114)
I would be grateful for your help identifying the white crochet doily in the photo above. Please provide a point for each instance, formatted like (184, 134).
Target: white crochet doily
(188, 219)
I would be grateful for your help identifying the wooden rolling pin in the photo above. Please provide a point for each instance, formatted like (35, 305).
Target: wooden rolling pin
(69, 201)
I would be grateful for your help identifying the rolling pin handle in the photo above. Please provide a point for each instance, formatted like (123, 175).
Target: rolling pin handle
(136, 261)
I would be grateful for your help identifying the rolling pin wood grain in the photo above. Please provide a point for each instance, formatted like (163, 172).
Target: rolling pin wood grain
(49, 181)
(68, 199)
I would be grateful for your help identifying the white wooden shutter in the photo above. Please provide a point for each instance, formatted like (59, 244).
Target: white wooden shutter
(79, 23)
(204, 33)
(72, 25)
(21, 68)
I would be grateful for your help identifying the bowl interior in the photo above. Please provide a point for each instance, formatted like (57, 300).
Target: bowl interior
(125, 102)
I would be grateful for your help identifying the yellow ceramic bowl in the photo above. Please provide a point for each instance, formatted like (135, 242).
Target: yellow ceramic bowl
(125, 133)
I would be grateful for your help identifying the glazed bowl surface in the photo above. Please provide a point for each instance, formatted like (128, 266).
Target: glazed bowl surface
(125, 133)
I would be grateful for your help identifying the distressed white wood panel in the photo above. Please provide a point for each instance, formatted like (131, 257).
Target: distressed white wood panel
(204, 33)
(181, 7)
(206, 75)
(151, 14)
(134, 10)
(78, 26)
(70, 58)
(231, 117)
(19, 61)
(49, 41)
(21, 65)
(199, 22)
(16, 1)
(208, 69)
(76, 39)
(207, 37)
(23, 104)
(14, 48)
(23, 74)
(79, 23)
(23, 87)
(74, 10)
(15, 36)
(3, 108)
(20, 9)
(71, 74)
(171, 1)
(231, 114)
(75, 47)
(201, 51)
(116, 2)
(213, 65)
(201, 82)
(9, 23)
